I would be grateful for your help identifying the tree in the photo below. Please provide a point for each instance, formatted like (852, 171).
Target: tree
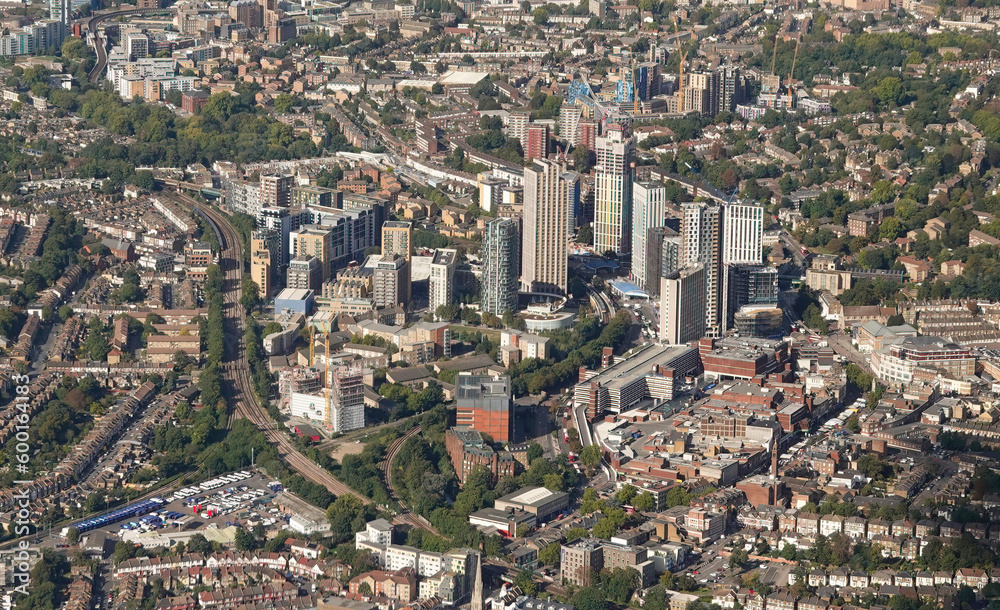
(526, 580)
(590, 598)
(250, 296)
(550, 554)
(605, 528)
(65, 312)
(72, 536)
(540, 16)
(244, 540)
(738, 559)
(535, 451)
(590, 456)
(620, 584)
(890, 228)
(586, 235)
(644, 502)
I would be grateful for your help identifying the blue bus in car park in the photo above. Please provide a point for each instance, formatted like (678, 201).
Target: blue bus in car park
(133, 510)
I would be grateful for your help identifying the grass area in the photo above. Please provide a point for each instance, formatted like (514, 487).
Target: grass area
(492, 333)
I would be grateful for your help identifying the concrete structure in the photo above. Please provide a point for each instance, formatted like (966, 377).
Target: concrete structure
(441, 285)
(743, 234)
(613, 179)
(541, 502)
(484, 403)
(682, 305)
(296, 300)
(701, 242)
(648, 212)
(397, 238)
(650, 372)
(580, 561)
(544, 257)
(501, 266)
(391, 281)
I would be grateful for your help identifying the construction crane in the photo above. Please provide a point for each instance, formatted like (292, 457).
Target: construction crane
(680, 68)
(327, 390)
(312, 345)
(774, 53)
(791, 89)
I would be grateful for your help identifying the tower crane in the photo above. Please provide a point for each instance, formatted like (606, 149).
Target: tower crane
(680, 68)
(791, 89)
(327, 390)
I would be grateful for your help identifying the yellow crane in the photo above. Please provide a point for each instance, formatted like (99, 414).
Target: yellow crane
(327, 385)
(680, 69)
(795, 57)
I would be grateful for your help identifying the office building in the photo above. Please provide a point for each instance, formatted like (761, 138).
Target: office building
(544, 256)
(648, 211)
(614, 174)
(305, 272)
(701, 242)
(682, 305)
(391, 281)
(501, 266)
(743, 235)
(537, 144)
(483, 403)
(260, 266)
(441, 285)
(397, 238)
(313, 240)
(646, 80)
(900, 360)
(276, 190)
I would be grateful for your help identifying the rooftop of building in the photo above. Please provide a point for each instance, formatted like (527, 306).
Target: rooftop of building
(639, 364)
(532, 496)
(294, 294)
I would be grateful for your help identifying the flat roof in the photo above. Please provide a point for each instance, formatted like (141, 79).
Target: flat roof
(532, 496)
(460, 77)
(638, 365)
(294, 294)
(630, 290)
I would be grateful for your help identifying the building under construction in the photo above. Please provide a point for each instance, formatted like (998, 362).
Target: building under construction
(339, 406)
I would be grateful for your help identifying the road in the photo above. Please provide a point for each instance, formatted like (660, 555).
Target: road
(841, 343)
(236, 367)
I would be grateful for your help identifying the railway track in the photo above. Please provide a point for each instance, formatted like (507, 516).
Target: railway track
(405, 516)
(236, 367)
